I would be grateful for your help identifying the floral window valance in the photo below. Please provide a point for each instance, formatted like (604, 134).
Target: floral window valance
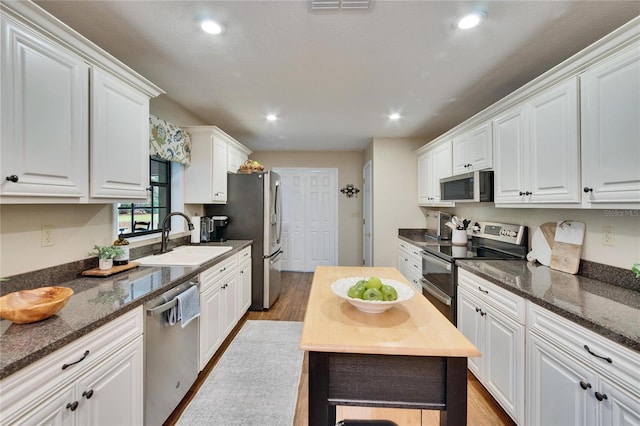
(168, 141)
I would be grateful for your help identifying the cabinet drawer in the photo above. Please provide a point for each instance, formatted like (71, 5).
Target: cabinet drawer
(211, 276)
(624, 365)
(244, 255)
(495, 296)
(46, 374)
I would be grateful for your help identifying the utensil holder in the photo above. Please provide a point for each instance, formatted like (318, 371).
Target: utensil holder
(459, 237)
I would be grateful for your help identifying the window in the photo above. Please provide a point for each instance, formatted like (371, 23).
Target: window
(146, 218)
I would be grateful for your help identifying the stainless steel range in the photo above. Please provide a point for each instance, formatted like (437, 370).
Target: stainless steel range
(439, 271)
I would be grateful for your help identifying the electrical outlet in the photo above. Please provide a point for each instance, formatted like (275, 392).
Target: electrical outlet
(47, 236)
(608, 238)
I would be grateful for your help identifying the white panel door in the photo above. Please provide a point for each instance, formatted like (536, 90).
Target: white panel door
(610, 105)
(119, 139)
(45, 103)
(320, 213)
(292, 220)
(554, 146)
(509, 156)
(309, 218)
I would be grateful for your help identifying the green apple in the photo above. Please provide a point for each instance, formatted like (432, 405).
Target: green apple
(372, 294)
(389, 293)
(374, 282)
(355, 292)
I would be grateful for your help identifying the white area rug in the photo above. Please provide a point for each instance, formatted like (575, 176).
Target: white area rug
(256, 380)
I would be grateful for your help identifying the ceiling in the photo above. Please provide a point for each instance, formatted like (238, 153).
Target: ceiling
(333, 77)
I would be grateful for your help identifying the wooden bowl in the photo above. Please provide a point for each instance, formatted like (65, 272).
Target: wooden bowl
(25, 306)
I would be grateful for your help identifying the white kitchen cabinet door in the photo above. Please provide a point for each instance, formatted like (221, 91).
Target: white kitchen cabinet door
(503, 361)
(112, 393)
(44, 113)
(119, 139)
(473, 150)
(205, 179)
(229, 302)
(433, 163)
(425, 182)
(235, 158)
(553, 150)
(244, 282)
(510, 166)
(210, 323)
(559, 388)
(619, 407)
(219, 175)
(472, 328)
(610, 106)
(53, 411)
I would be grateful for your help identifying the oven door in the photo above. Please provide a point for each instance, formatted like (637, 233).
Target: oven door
(438, 284)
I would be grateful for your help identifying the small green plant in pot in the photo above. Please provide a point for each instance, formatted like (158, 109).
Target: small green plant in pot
(105, 255)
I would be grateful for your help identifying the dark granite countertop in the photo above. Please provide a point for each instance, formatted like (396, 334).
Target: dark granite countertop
(95, 302)
(607, 309)
(417, 237)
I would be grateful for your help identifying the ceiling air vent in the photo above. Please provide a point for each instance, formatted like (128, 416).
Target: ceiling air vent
(340, 4)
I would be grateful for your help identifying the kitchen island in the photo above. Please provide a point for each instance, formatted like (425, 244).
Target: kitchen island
(410, 356)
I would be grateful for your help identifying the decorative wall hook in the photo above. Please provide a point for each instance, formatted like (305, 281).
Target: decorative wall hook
(350, 190)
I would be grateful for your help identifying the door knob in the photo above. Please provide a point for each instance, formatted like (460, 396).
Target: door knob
(587, 189)
(12, 178)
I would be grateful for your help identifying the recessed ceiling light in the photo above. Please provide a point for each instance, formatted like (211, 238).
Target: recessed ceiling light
(272, 117)
(394, 116)
(471, 20)
(211, 27)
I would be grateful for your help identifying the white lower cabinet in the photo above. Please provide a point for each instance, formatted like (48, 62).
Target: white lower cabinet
(410, 263)
(102, 383)
(244, 281)
(576, 377)
(493, 320)
(217, 285)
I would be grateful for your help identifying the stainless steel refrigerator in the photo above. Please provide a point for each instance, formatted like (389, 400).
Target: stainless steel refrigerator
(254, 208)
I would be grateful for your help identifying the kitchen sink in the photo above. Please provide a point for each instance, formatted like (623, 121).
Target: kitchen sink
(184, 256)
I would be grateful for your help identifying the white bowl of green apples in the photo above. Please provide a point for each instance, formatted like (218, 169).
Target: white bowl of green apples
(372, 295)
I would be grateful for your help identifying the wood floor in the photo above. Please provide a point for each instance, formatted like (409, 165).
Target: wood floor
(291, 306)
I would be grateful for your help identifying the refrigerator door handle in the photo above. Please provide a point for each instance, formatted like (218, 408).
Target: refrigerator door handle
(278, 212)
(274, 254)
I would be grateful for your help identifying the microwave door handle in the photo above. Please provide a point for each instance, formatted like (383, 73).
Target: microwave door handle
(433, 259)
(435, 292)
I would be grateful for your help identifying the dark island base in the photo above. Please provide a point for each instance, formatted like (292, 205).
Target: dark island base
(393, 381)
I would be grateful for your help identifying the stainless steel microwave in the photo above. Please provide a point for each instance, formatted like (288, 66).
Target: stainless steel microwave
(468, 187)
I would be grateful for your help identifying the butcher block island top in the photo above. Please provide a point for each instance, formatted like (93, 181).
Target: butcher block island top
(414, 327)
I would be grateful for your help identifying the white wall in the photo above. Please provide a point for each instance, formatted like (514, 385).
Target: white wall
(395, 195)
(626, 224)
(76, 227)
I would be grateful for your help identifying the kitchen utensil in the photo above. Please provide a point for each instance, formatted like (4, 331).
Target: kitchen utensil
(450, 225)
(97, 272)
(567, 246)
(540, 247)
(26, 306)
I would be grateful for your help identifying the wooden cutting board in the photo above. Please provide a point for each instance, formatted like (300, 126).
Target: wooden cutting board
(97, 272)
(567, 246)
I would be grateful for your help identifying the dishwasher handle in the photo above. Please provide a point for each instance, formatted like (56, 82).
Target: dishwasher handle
(166, 306)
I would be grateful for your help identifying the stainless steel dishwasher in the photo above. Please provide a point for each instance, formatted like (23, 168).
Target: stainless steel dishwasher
(171, 357)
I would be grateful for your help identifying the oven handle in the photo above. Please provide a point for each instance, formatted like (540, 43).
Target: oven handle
(431, 258)
(435, 292)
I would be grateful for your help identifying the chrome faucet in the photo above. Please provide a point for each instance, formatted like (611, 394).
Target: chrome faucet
(166, 224)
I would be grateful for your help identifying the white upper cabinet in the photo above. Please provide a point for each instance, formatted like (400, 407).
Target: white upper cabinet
(119, 138)
(473, 150)
(537, 151)
(236, 156)
(434, 163)
(74, 119)
(610, 106)
(206, 176)
(45, 95)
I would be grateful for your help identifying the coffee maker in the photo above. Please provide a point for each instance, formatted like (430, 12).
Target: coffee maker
(219, 227)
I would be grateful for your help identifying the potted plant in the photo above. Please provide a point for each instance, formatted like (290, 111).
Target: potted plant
(106, 254)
